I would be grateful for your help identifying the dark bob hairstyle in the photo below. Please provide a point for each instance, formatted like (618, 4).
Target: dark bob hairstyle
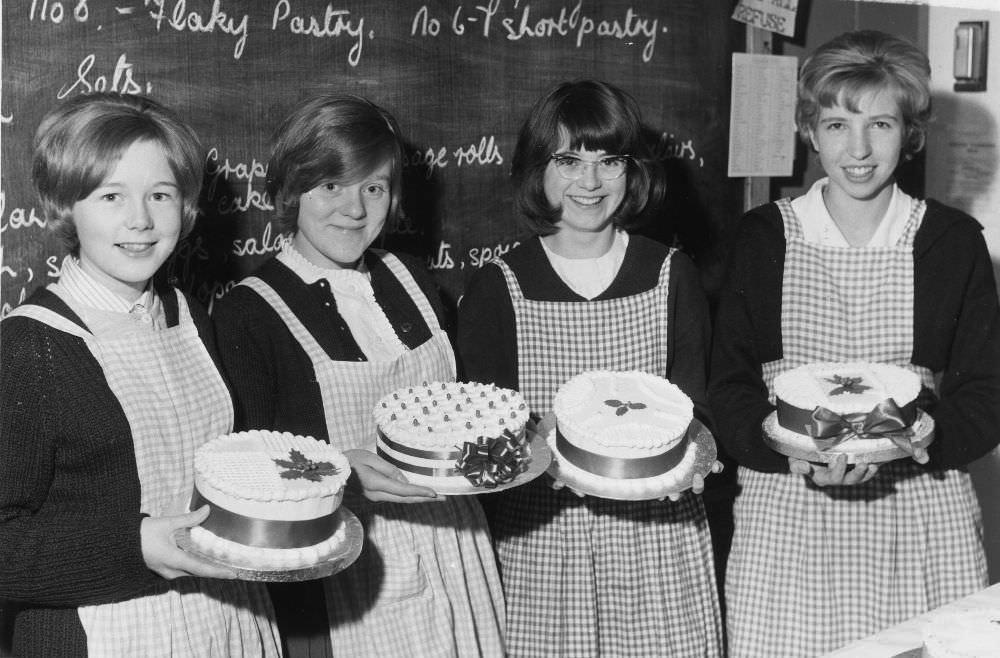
(80, 142)
(336, 138)
(854, 64)
(593, 115)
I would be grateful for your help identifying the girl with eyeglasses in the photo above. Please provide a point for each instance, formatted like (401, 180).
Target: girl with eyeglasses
(312, 340)
(587, 576)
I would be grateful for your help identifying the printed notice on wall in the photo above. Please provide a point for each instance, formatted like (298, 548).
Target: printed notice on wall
(762, 115)
(772, 15)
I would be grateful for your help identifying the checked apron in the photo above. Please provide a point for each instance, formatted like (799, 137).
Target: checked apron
(590, 576)
(175, 400)
(426, 582)
(812, 568)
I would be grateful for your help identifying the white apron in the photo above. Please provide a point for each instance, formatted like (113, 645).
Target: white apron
(174, 399)
(812, 569)
(597, 577)
(426, 583)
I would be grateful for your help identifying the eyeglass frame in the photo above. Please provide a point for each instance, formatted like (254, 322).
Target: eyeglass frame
(625, 157)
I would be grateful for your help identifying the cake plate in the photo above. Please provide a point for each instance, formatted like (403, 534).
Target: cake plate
(777, 438)
(541, 456)
(342, 557)
(701, 447)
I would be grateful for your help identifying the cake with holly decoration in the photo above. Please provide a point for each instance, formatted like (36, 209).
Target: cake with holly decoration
(273, 499)
(867, 411)
(623, 434)
(454, 436)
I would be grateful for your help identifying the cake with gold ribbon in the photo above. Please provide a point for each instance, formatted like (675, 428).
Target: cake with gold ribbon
(273, 499)
(866, 410)
(624, 433)
(451, 436)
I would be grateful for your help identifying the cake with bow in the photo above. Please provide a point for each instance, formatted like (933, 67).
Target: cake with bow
(273, 499)
(452, 436)
(866, 410)
(623, 433)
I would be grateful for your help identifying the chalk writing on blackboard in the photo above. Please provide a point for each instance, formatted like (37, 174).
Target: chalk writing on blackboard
(181, 19)
(55, 11)
(526, 23)
(459, 76)
(226, 175)
(334, 23)
(122, 79)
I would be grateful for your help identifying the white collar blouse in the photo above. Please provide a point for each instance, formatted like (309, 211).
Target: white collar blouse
(352, 290)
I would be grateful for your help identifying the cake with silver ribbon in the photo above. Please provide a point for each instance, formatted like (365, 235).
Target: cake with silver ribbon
(454, 435)
(866, 410)
(622, 432)
(273, 499)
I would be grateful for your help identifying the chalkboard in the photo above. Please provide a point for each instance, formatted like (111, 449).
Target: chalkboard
(459, 77)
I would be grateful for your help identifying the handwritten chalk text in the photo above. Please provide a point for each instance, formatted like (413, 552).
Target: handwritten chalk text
(122, 79)
(221, 191)
(524, 22)
(333, 23)
(218, 20)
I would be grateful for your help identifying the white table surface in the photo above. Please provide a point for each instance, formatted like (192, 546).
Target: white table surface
(905, 637)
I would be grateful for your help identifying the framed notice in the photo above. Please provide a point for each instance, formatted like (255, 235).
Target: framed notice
(762, 115)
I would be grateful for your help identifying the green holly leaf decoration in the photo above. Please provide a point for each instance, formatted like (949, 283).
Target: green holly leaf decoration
(622, 408)
(850, 385)
(299, 467)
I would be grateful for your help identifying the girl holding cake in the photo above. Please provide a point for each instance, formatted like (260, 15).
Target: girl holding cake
(855, 270)
(109, 384)
(586, 576)
(312, 340)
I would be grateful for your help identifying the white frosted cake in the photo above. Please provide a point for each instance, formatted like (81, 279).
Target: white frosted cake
(273, 497)
(625, 432)
(453, 435)
(963, 634)
(866, 410)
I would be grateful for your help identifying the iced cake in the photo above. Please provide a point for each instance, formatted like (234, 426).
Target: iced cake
(453, 435)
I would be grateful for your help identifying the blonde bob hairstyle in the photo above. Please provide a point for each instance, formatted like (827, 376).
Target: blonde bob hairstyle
(337, 138)
(79, 143)
(854, 64)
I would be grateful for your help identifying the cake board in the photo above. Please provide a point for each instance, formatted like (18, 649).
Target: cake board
(541, 456)
(344, 556)
(804, 449)
(701, 447)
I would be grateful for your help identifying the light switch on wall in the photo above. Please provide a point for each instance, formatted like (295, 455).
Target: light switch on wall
(971, 51)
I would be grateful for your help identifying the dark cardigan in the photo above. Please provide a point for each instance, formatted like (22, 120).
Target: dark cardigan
(956, 333)
(69, 486)
(271, 374)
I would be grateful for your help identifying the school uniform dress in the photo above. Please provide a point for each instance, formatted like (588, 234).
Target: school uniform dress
(312, 351)
(591, 576)
(814, 568)
(103, 407)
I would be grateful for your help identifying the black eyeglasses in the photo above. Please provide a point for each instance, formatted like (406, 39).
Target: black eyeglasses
(609, 167)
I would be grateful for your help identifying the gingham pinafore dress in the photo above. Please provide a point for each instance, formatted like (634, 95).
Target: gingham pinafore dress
(175, 400)
(596, 577)
(812, 568)
(426, 583)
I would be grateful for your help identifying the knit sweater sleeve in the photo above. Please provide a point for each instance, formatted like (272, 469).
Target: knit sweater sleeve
(746, 334)
(958, 336)
(69, 492)
(689, 335)
(244, 339)
(487, 335)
